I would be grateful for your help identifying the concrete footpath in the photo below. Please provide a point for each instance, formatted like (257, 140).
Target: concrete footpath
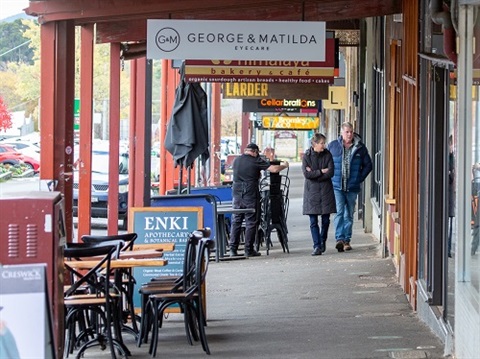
(333, 306)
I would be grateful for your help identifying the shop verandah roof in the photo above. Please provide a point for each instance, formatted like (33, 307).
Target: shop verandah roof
(125, 20)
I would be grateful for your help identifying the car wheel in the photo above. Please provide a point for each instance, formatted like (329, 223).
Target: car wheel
(8, 164)
(29, 165)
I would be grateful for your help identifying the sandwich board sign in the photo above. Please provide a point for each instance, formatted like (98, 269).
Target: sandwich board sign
(163, 225)
(25, 317)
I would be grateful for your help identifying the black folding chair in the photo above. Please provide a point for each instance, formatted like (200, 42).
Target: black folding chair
(91, 301)
(124, 276)
(190, 299)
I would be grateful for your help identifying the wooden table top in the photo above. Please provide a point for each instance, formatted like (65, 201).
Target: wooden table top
(165, 247)
(141, 254)
(128, 259)
(119, 263)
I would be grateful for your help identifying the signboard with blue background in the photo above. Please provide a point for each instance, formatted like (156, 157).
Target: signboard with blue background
(164, 225)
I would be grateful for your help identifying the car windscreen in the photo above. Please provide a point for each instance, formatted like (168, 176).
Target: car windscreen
(100, 162)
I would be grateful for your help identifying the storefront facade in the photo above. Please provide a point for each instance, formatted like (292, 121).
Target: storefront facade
(422, 120)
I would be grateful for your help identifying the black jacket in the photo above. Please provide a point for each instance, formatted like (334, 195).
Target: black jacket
(246, 175)
(318, 195)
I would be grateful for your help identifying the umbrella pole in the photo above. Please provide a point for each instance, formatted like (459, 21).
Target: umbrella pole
(188, 179)
(180, 179)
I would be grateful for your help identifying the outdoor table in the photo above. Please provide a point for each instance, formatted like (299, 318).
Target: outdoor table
(120, 263)
(142, 254)
(138, 254)
(165, 247)
(128, 262)
(221, 239)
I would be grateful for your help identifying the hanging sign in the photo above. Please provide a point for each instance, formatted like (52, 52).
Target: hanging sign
(252, 90)
(236, 40)
(281, 105)
(273, 71)
(291, 123)
(337, 98)
(285, 134)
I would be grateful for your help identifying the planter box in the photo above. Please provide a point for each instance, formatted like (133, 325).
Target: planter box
(5, 176)
(29, 173)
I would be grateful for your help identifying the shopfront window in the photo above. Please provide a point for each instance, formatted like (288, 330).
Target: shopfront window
(469, 155)
(472, 246)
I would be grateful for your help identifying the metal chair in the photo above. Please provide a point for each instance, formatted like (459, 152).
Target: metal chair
(164, 284)
(91, 301)
(167, 284)
(123, 276)
(190, 299)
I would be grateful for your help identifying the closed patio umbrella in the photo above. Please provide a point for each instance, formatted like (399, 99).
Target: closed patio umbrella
(187, 131)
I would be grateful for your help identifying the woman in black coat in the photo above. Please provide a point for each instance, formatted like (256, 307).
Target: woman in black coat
(318, 195)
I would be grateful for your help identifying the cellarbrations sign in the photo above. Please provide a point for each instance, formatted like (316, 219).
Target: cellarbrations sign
(236, 40)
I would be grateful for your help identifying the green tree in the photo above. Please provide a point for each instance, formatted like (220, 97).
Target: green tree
(27, 88)
(21, 81)
(13, 46)
(8, 85)
(101, 80)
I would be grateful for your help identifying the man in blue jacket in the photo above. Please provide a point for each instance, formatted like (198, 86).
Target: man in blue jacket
(352, 165)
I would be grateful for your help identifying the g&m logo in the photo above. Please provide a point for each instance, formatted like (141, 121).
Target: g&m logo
(167, 39)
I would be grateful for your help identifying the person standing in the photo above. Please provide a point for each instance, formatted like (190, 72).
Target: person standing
(352, 165)
(318, 196)
(246, 175)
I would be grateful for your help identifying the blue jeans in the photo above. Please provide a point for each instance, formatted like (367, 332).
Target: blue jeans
(317, 235)
(343, 220)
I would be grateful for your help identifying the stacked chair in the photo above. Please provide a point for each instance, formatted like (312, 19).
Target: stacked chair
(92, 300)
(184, 291)
(274, 203)
(123, 276)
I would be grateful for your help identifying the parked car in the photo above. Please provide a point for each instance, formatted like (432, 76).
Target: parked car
(7, 159)
(228, 147)
(9, 155)
(26, 148)
(100, 186)
(228, 174)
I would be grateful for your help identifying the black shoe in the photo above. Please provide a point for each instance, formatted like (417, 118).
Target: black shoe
(317, 251)
(322, 247)
(233, 253)
(339, 245)
(347, 246)
(252, 253)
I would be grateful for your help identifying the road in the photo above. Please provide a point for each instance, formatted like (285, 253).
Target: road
(19, 185)
(296, 180)
(99, 225)
(25, 185)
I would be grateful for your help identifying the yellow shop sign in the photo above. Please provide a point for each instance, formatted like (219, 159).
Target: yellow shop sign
(291, 123)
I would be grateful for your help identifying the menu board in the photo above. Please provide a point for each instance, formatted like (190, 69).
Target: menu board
(25, 319)
(163, 225)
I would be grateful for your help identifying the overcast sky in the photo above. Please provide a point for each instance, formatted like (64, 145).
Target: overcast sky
(11, 7)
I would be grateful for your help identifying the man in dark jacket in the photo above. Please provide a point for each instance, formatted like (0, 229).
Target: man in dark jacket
(352, 165)
(318, 196)
(246, 175)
